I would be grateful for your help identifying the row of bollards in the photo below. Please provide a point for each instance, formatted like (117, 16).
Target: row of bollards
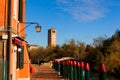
(77, 70)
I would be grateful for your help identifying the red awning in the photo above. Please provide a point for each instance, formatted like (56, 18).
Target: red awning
(17, 41)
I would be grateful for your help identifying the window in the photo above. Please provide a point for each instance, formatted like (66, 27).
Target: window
(20, 57)
(53, 31)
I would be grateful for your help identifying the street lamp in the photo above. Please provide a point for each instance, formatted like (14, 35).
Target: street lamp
(37, 27)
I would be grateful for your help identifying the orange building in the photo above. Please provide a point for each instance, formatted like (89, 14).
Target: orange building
(14, 59)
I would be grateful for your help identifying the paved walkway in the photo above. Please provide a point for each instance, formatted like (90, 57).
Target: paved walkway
(45, 72)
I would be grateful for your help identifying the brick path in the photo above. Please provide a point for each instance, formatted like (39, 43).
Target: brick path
(45, 73)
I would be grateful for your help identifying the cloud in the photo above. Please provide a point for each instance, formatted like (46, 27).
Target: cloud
(84, 10)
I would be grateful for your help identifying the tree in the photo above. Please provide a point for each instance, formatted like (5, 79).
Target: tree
(81, 52)
(99, 40)
(117, 33)
(113, 62)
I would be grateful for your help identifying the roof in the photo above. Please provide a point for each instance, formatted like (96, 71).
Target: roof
(64, 58)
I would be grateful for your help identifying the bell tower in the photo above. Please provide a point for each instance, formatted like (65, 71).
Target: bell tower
(52, 37)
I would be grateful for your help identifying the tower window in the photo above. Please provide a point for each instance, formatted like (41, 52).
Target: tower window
(53, 31)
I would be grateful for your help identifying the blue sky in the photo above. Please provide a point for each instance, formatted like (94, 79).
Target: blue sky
(82, 20)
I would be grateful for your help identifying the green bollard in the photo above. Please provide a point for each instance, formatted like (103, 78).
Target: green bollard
(71, 71)
(56, 65)
(64, 71)
(78, 70)
(53, 64)
(58, 68)
(82, 71)
(61, 68)
(87, 71)
(75, 70)
(102, 72)
(68, 69)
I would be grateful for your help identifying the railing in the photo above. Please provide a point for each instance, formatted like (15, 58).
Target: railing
(77, 70)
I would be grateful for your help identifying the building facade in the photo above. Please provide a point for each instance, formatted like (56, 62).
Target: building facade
(33, 47)
(14, 59)
(52, 37)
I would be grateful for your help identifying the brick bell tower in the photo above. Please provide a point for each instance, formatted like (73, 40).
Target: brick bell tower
(52, 37)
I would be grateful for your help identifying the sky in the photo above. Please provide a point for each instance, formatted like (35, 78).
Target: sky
(81, 20)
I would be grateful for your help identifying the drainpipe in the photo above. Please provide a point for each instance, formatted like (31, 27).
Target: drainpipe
(9, 40)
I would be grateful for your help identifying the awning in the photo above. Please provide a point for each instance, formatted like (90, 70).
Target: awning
(17, 41)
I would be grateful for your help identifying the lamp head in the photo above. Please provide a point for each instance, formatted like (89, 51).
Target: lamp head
(38, 28)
